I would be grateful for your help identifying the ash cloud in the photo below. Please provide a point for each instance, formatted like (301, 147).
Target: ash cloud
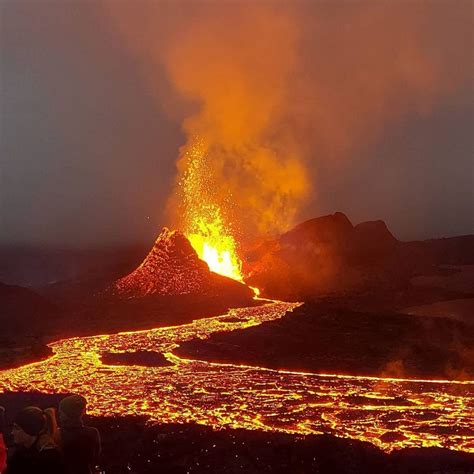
(309, 108)
(281, 92)
(232, 63)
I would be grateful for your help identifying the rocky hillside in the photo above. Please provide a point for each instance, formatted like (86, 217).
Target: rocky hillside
(330, 255)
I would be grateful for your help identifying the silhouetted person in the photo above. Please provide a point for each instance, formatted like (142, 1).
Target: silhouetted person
(36, 452)
(80, 444)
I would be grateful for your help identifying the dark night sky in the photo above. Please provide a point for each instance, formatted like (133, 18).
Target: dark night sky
(87, 154)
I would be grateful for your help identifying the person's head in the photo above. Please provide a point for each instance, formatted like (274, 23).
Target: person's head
(28, 425)
(72, 409)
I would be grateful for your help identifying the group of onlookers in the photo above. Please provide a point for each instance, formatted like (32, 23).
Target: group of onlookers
(45, 444)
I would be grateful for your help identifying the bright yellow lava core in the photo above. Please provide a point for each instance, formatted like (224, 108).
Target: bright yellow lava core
(214, 245)
(204, 222)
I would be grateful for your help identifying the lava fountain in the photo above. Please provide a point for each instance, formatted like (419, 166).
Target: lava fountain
(204, 223)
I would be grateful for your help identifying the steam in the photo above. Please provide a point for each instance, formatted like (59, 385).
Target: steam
(274, 91)
(236, 65)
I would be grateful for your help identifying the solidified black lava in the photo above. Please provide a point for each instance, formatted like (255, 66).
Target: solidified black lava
(144, 358)
(326, 338)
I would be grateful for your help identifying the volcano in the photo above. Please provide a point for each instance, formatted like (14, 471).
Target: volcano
(172, 267)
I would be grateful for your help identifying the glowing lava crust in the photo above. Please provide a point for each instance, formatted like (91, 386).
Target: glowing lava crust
(389, 413)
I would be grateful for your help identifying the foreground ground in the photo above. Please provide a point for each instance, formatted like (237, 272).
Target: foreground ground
(180, 449)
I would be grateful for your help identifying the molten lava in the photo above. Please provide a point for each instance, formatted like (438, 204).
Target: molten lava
(214, 244)
(204, 224)
(389, 413)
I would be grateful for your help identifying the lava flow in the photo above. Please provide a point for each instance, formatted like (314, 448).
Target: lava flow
(389, 413)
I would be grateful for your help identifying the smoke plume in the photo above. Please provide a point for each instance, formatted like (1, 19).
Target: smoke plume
(271, 91)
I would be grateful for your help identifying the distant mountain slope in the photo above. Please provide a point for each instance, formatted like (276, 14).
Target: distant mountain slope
(39, 266)
(329, 255)
(24, 318)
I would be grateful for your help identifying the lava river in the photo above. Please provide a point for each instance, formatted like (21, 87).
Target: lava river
(390, 413)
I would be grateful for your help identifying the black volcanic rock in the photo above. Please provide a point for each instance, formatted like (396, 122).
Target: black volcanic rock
(373, 238)
(374, 230)
(325, 338)
(24, 319)
(332, 229)
(173, 267)
(329, 255)
(326, 255)
(142, 358)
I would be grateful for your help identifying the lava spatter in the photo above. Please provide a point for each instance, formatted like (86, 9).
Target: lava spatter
(172, 267)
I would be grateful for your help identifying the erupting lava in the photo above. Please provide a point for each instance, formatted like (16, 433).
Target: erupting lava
(214, 245)
(172, 267)
(204, 222)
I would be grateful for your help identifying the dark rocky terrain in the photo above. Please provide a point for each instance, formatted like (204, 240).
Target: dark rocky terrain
(329, 255)
(143, 358)
(25, 334)
(181, 449)
(22, 312)
(327, 338)
(353, 269)
(358, 282)
(26, 305)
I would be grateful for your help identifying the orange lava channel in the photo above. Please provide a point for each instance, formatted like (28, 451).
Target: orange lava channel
(389, 413)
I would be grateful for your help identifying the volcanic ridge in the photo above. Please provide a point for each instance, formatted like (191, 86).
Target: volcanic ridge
(330, 255)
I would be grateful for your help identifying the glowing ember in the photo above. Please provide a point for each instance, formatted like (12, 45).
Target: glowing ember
(204, 222)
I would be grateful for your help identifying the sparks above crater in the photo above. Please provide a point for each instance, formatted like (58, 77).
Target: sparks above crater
(205, 223)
